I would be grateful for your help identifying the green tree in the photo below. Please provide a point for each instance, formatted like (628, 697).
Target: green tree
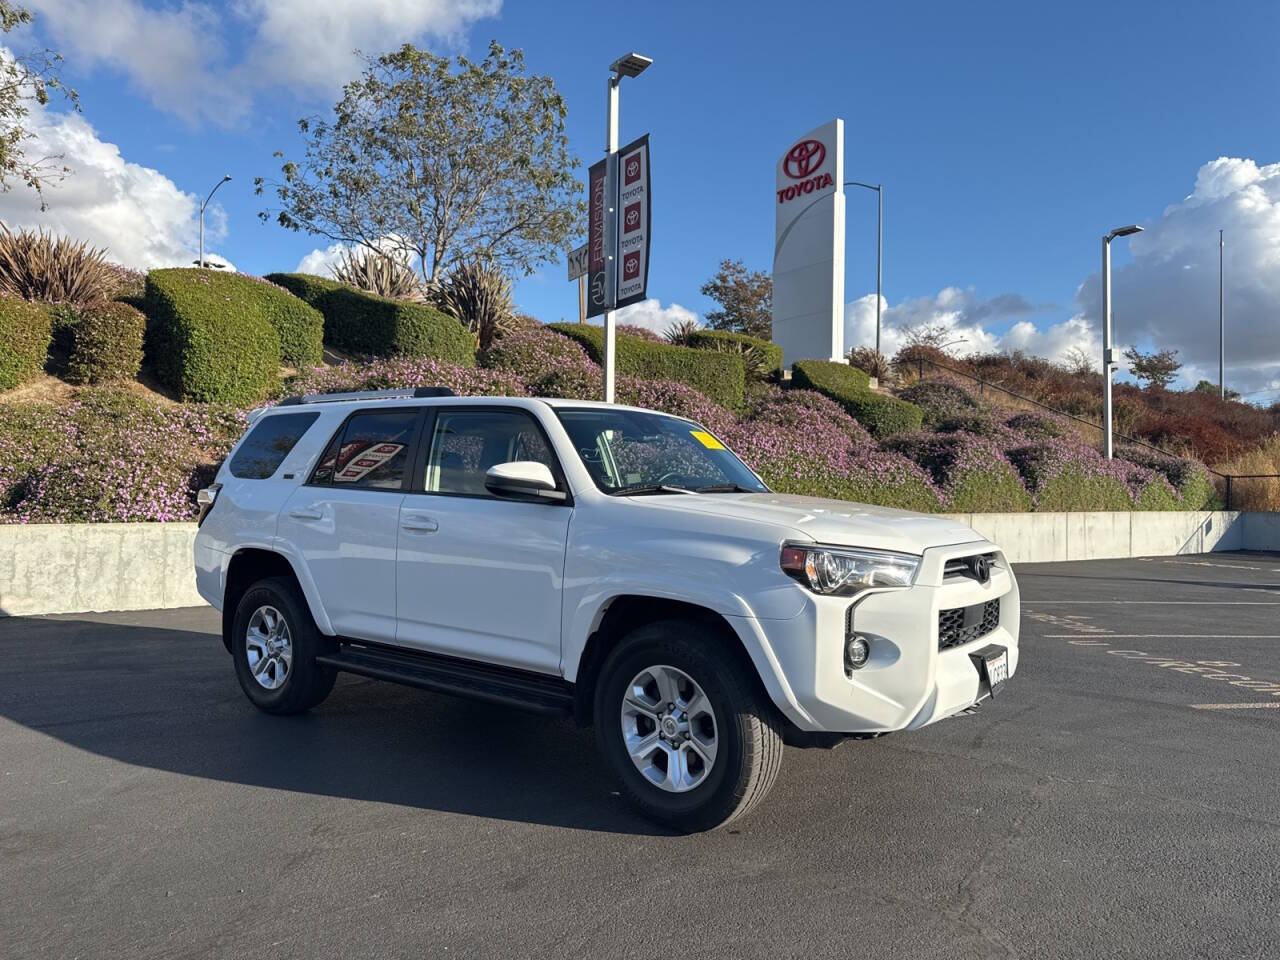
(26, 79)
(448, 161)
(1211, 388)
(745, 298)
(1156, 369)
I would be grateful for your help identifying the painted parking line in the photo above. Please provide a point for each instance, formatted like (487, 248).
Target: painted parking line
(1236, 706)
(1206, 603)
(1170, 636)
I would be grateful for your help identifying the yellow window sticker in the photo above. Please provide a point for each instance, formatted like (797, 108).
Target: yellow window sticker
(706, 439)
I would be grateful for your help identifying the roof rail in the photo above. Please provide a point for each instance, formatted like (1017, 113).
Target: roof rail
(402, 392)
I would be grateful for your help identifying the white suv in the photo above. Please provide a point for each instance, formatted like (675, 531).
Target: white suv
(611, 562)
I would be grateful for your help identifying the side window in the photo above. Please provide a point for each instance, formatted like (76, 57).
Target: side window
(372, 451)
(465, 444)
(268, 443)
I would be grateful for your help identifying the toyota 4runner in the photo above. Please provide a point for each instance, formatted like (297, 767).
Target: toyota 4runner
(610, 562)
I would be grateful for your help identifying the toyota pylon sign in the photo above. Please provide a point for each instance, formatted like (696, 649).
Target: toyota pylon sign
(631, 207)
(633, 221)
(808, 251)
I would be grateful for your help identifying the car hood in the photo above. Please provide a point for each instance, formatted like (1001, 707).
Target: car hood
(835, 522)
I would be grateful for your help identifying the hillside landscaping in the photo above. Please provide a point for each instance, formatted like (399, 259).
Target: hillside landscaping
(219, 344)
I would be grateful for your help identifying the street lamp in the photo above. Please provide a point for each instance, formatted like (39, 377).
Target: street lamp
(224, 179)
(1108, 363)
(631, 65)
(879, 189)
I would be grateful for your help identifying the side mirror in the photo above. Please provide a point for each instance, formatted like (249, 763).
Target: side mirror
(522, 480)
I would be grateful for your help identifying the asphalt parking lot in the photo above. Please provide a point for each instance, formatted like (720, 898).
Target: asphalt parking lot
(1119, 800)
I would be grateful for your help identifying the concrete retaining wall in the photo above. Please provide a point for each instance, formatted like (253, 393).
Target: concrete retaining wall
(95, 567)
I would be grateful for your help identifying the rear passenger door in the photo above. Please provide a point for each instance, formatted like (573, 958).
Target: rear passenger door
(345, 519)
(480, 576)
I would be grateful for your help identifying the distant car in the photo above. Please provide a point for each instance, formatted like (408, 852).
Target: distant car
(611, 562)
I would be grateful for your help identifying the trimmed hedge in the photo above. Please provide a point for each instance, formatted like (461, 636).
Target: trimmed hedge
(718, 376)
(106, 343)
(940, 400)
(299, 325)
(714, 339)
(26, 330)
(208, 336)
(848, 386)
(363, 323)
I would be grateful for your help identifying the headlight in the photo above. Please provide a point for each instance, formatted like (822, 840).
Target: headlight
(835, 571)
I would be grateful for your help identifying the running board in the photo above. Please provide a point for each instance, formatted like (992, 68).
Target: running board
(464, 678)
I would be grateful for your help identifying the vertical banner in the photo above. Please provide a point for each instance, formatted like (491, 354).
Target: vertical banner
(633, 221)
(808, 250)
(597, 301)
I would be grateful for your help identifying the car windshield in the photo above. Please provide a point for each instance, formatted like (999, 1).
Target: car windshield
(629, 452)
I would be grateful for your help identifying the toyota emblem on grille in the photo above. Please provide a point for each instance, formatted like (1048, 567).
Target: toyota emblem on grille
(981, 567)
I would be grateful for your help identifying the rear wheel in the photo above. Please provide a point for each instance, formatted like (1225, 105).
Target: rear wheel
(683, 727)
(274, 643)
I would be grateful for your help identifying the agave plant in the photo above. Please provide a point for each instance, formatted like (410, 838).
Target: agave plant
(376, 271)
(480, 297)
(42, 266)
(681, 332)
(755, 362)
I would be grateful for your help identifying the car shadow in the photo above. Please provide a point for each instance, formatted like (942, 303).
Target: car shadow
(167, 699)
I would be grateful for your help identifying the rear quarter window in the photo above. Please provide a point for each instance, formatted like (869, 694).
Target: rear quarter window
(268, 443)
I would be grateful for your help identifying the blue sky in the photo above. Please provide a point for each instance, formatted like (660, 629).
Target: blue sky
(1009, 137)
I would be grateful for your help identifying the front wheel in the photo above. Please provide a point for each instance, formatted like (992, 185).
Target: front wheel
(275, 643)
(680, 722)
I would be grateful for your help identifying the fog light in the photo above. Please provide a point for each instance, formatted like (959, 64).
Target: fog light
(856, 652)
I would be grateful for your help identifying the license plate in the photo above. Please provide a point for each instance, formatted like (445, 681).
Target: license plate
(993, 666)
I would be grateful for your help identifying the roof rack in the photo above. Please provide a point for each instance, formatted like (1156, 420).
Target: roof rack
(401, 393)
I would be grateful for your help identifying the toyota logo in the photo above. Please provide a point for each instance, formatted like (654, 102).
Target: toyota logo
(981, 567)
(803, 159)
(633, 218)
(633, 167)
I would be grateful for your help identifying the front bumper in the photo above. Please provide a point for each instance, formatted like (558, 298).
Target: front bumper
(907, 682)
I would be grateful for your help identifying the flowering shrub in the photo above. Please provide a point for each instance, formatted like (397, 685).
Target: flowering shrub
(1037, 426)
(631, 330)
(972, 473)
(1066, 475)
(109, 455)
(940, 399)
(675, 399)
(406, 372)
(551, 365)
(1189, 477)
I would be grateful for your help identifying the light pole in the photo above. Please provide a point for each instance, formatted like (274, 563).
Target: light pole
(1222, 338)
(224, 179)
(879, 189)
(631, 65)
(1109, 364)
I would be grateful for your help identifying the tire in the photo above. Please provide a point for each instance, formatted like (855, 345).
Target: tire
(743, 727)
(287, 678)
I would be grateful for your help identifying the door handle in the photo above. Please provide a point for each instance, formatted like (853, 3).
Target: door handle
(423, 524)
(306, 514)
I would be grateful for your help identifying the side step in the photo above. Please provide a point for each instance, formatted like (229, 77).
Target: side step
(465, 678)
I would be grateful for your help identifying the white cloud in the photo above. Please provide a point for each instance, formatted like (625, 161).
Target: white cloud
(1167, 296)
(138, 214)
(652, 315)
(967, 317)
(321, 260)
(203, 60)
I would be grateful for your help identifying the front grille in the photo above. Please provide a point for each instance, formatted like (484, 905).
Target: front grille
(962, 625)
(966, 567)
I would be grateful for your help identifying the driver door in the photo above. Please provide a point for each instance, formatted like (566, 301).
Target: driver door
(478, 576)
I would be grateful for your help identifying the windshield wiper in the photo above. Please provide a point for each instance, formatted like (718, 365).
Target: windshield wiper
(646, 488)
(724, 488)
